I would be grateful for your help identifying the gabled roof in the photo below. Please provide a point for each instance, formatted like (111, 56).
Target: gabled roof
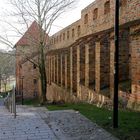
(30, 36)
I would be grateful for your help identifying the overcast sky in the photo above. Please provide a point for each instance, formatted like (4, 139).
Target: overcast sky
(70, 16)
(63, 21)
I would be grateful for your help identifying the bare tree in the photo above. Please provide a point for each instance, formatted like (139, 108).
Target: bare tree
(7, 67)
(44, 12)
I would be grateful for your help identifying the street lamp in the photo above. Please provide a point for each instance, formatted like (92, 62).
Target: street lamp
(0, 82)
(116, 64)
(22, 90)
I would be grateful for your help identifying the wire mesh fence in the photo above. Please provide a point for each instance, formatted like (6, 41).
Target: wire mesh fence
(10, 102)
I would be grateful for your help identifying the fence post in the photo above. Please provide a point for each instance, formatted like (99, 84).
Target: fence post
(10, 102)
(10, 99)
(14, 102)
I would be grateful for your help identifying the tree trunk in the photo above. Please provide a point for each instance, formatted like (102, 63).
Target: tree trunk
(5, 87)
(43, 86)
(0, 83)
(42, 71)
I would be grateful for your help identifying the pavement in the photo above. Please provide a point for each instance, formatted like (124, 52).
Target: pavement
(1, 102)
(37, 123)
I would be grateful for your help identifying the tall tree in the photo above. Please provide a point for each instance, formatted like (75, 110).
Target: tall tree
(44, 12)
(7, 67)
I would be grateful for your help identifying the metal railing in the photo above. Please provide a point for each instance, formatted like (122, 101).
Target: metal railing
(10, 102)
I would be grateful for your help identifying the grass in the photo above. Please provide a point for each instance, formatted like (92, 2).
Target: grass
(31, 102)
(129, 122)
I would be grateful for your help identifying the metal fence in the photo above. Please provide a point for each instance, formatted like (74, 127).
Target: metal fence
(10, 102)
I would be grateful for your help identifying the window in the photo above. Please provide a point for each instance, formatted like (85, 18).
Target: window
(73, 34)
(86, 19)
(68, 34)
(79, 30)
(51, 41)
(35, 81)
(57, 39)
(34, 66)
(95, 13)
(54, 40)
(107, 7)
(60, 38)
(63, 36)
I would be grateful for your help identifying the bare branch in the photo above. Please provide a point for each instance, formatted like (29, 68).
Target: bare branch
(32, 46)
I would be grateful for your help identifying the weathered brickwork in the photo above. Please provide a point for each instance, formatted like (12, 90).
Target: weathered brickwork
(129, 11)
(135, 67)
(30, 80)
(27, 74)
(96, 58)
(80, 62)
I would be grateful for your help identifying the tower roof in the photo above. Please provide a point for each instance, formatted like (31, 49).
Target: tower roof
(31, 36)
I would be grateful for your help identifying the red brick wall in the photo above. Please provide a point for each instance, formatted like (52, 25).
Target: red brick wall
(129, 54)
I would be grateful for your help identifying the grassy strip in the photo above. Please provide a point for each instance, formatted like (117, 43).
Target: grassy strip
(32, 102)
(129, 122)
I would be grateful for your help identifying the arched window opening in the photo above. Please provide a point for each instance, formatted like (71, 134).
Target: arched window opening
(73, 34)
(86, 19)
(54, 40)
(34, 66)
(95, 13)
(107, 7)
(57, 39)
(79, 30)
(63, 36)
(35, 81)
(68, 34)
(60, 38)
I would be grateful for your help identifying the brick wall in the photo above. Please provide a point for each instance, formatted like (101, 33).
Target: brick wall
(30, 80)
(81, 67)
(129, 11)
(134, 99)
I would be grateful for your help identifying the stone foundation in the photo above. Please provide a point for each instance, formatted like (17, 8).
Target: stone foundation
(134, 102)
(57, 93)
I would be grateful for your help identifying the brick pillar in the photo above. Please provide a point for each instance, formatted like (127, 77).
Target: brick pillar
(134, 97)
(50, 67)
(112, 55)
(97, 67)
(78, 70)
(57, 67)
(61, 64)
(86, 65)
(71, 69)
(47, 67)
(135, 64)
(49, 70)
(66, 65)
(52, 74)
(54, 68)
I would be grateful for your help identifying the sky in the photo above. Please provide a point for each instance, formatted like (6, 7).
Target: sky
(70, 16)
(64, 20)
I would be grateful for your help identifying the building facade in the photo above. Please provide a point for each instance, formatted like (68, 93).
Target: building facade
(80, 62)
